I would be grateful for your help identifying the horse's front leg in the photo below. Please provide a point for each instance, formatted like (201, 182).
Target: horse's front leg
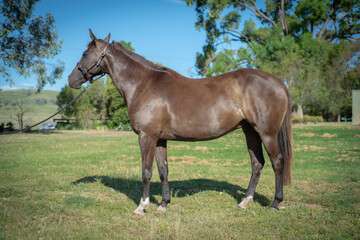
(161, 159)
(147, 148)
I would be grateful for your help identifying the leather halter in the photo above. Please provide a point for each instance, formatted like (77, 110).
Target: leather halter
(85, 71)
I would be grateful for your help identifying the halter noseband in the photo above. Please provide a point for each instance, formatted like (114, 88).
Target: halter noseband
(85, 71)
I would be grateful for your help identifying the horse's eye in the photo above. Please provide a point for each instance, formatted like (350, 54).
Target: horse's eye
(84, 54)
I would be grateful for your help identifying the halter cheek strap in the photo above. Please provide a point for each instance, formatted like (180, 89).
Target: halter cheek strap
(97, 64)
(102, 55)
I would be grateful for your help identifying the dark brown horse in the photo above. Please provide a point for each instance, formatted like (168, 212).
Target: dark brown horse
(164, 105)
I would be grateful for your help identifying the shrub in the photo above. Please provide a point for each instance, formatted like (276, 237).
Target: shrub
(308, 119)
(10, 126)
(100, 127)
(111, 124)
(42, 101)
(313, 119)
(296, 120)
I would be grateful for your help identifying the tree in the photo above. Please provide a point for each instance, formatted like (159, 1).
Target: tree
(116, 110)
(64, 97)
(89, 108)
(342, 74)
(96, 98)
(21, 111)
(26, 41)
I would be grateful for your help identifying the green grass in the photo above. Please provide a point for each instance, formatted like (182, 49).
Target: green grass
(36, 113)
(85, 185)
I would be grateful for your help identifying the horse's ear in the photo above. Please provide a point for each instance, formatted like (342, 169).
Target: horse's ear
(92, 35)
(107, 39)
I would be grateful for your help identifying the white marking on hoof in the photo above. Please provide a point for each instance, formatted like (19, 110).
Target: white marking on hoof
(139, 211)
(144, 203)
(245, 202)
(161, 209)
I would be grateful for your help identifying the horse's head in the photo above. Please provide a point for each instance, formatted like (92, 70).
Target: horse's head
(89, 65)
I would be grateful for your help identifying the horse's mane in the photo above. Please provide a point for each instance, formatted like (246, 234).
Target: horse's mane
(143, 61)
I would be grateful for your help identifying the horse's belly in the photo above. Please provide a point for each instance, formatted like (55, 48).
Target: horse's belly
(198, 135)
(205, 127)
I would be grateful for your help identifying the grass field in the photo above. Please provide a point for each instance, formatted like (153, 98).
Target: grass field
(85, 185)
(39, 105)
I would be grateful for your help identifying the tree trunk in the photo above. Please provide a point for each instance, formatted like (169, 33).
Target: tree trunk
(282, 17)
(299, 112)
(338, 117)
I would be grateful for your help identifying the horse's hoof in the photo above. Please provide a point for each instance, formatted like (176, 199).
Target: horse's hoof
(242, 205)
(245, 202)
(138, 213)
(273, 208)
(161, 209)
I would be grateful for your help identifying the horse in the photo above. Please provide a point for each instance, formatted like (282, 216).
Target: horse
(166, 106)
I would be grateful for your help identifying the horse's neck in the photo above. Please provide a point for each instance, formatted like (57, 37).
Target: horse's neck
(126, 74)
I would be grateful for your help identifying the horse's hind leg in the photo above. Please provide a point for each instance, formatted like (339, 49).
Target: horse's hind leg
(161, 159)
(257, 161)
(277, 162)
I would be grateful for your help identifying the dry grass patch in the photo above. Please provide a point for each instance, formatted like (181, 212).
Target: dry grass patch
(308, 134)
(347, 158)
(178, 147)
(191, 161)
(328, 135)
(309, 149)
(203, 149)
(313, 205)
(183, 160)
(314, 188)
(353, 127)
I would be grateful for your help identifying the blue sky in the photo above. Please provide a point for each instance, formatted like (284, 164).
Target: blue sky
(160, 30)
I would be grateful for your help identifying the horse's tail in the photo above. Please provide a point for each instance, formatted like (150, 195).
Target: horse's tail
(285, 143)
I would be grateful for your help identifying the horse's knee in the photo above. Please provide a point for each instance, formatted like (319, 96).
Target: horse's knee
(162, 173)
(146, 176)
(257, 166)
(277, 162)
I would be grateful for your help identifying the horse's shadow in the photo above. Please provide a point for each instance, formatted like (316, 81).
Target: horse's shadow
(132, 188)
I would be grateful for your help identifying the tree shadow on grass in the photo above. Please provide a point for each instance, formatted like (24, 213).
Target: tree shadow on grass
(132, 188)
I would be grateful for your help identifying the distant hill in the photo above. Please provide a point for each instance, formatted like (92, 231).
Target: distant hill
(38, 105)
